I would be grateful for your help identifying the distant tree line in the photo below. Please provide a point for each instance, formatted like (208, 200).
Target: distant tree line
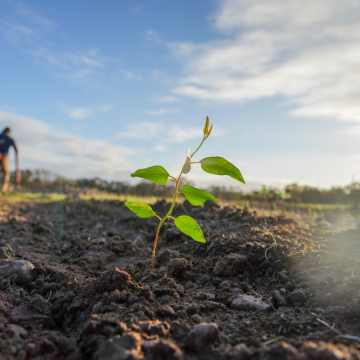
(46, 180)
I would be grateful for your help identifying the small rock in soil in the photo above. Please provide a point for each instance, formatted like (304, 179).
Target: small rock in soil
(161, 349)
(297, 297)
(241, 352)
(280, 300)
(166, 311)
(201, 336)
(281, 351)
(249, 303)
(21, 268)
(197, 318)
(225, 286)
(231, 265)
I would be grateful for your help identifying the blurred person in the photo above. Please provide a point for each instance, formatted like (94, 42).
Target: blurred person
(5, 142)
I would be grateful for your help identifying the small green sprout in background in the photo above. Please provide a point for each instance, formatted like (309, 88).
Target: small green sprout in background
(157, 174)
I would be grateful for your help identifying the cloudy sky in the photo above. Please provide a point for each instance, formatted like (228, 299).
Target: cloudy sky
(102, 88)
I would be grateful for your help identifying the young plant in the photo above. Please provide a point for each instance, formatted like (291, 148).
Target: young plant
(157, 174)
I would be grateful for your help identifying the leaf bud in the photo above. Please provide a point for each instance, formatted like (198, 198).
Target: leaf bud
(210, 130)
(206, 127)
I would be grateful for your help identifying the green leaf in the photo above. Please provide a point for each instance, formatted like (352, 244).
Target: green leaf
(189, 227)
(219, 166)
(156, 174)
(141, 210)
(196, 196)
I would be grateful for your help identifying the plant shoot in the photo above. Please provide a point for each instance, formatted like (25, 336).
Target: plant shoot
(157, 174)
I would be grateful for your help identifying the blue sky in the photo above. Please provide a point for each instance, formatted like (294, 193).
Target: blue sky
(103, 88)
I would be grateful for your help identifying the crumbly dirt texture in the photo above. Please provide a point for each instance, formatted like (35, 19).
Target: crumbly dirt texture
(260, 288)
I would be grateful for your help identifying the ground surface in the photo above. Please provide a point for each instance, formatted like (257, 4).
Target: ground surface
(256, 290)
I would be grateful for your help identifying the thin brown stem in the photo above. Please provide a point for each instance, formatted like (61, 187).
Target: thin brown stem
(156, 238)
(165, 217)
(177, 181)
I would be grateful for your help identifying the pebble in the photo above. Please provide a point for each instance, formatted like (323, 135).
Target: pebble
(225, 285)
(297, 296)
(241, 352)
(166, 311)
(161, 349)
(280, 300)
(249, 303)
(284, 350)
(197, 318)
(21, 268)
(201, 336)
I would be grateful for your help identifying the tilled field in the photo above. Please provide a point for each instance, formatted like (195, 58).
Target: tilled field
(76, 283)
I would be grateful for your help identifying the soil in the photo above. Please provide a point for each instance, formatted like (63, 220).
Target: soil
(260, 288)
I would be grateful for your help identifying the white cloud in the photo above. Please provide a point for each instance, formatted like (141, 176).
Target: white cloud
(15, 32)
(179, 135)
(165, 99)
(164, 130)
(160, 112)
(30, 15)
(75, 65)
(43, 146)
(80, 113)
(141, 130)
(305, 51)
(160, 148)
(153, 36)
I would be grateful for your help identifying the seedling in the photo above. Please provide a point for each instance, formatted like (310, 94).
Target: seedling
(157, 174)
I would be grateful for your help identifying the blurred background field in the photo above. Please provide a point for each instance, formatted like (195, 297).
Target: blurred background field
(336, 208)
